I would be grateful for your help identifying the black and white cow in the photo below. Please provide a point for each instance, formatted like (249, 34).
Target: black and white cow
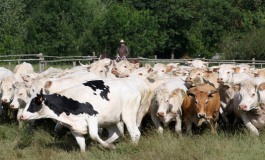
(79, 117)
(115, 100)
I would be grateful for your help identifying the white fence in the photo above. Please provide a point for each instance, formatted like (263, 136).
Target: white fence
(43, 61)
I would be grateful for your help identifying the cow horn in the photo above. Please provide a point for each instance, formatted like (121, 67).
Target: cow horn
(84, 65)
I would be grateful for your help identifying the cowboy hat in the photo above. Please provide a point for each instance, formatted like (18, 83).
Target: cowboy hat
(122, 41)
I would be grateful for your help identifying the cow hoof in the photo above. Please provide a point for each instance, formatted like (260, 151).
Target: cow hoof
(112, 146)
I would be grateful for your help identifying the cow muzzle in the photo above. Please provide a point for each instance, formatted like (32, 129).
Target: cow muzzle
(160, 114)
(23, 118)
(243, 107)
(220, 80)
(11, 106)
(201, 115)
(4, 101)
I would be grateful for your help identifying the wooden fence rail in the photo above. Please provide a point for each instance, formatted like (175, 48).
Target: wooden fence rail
(44, 61)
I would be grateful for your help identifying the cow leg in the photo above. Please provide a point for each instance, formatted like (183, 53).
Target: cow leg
(213, 125)
(249, 125)
(19, 113)
(188, 126)
(114, 133)
(130, 121)
(155, 119)
(178, 128)
(80, 141)
(92, 122)
(120, 126)
(223, 114)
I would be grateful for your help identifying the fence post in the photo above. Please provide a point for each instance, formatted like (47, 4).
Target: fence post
(155, 56)
(94, 54)
(41, 64)
(9, 65)
(253, 62)
(74, 63)
(172, 55)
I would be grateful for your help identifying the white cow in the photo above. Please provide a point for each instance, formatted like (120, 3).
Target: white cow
(123, 68)
(22, 95)
(226, 79)
(199, 76)
(7, 88)
(101, 67)
(198, 64)
(168, 97)
(23, 68)
(3, 74)
(249, 105)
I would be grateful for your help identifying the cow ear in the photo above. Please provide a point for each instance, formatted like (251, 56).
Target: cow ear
(190, 94)
(210, 94)
(40, 97)
(169, 68)
(235, 69)
(261, 87)
(41, 92)
(14, 85)
(137, 65)
(48, 84)
(236, 87)
(174, 93)
(215, 69)
(148, 67)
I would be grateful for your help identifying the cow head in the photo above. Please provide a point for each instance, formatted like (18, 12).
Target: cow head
(249, 96)
(201, 99)
(225, 75)
(7, 89)
(195, 77)
(169, 102)
(33, 109)
(21, 95)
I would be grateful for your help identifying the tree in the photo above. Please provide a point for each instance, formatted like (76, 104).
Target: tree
(12, 27)
(138, 28)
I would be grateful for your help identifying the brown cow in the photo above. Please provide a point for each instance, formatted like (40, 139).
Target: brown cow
(201, 105)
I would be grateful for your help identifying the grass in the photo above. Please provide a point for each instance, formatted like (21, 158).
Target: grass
(42, 144)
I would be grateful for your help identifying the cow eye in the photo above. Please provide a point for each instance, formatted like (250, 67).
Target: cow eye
(140, 74)
(20, 94)
(10, 89)
(125, 66)
(163, 71)
(199, 74)
(253, 95)
(101, 71)
(228, 72)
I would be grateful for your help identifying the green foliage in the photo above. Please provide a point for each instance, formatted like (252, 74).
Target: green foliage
(138, 28)
(183, 27)
(248, 46)
(12, 27)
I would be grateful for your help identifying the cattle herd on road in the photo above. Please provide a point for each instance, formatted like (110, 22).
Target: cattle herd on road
(111, 95)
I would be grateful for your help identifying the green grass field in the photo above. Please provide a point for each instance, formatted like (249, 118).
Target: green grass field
(42, 144)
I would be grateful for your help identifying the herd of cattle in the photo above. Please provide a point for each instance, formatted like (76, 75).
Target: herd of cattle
(111, 95)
